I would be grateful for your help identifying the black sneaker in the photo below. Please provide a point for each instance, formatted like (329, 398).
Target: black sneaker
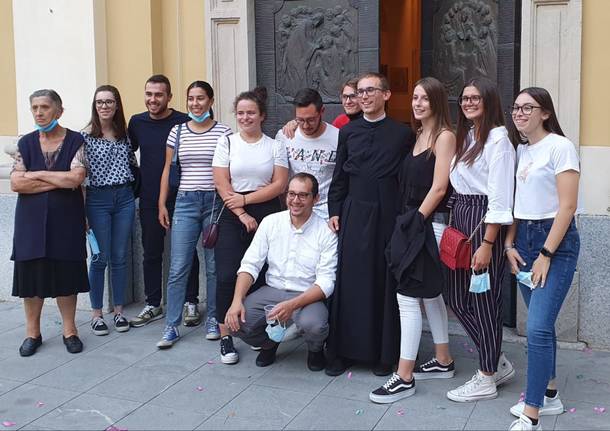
(98, 326)
(434, 370)
(228, 354)
(120, 323)
(393, 390)
(73, 344)
(316, 361)
(266, 357)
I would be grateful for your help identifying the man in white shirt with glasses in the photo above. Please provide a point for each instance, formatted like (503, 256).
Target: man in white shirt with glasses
(301, 252)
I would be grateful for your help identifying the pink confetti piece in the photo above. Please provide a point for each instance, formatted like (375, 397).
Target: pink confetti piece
(113, 428)
(8, 424)
(587, 350)
(349, 375)
(39, 404)
(599, 410)
(210, 362)
(572, 410)
(199, 388)
(471, 350)
(400, 412)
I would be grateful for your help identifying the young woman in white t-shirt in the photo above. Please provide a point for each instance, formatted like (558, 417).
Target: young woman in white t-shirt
(250, 172)
(482, 176)
(542, 245)
(197, 204)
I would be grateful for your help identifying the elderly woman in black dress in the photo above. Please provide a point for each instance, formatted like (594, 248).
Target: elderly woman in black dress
(49, 240)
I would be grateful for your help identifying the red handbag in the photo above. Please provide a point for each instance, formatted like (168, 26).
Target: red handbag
(210, 233)
(455, 248)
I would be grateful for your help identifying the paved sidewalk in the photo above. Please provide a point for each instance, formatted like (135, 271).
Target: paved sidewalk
(122, 380)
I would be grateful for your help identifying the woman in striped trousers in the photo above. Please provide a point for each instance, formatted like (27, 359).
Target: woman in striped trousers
(482, 176)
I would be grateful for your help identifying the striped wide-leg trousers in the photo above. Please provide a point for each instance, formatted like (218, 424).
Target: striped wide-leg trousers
(479, 313)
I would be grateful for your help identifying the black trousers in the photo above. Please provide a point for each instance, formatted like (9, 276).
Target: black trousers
(153, 241)
(479, 313)
(233, 241)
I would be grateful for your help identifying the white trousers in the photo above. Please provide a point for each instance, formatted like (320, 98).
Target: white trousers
(411, 316)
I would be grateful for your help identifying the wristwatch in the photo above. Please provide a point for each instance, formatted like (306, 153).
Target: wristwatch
(546, 253)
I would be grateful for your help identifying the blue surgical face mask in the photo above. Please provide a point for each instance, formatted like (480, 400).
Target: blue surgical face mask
(95, 248)
(201, 118)
(48, 127)
(276, 332)
(479, 283)
(525, 278)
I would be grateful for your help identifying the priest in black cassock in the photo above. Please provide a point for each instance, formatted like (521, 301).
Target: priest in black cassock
(363, 202)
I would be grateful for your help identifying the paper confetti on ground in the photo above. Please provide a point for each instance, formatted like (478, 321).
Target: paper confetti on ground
(199, 388)
(8, 424)
(349, 375)
(587, 350)
(113, 428)
(210, 362)
(39, 404)
(572, 410)
(359, 412)
(599, 410)
(400, 412)
(521, 397)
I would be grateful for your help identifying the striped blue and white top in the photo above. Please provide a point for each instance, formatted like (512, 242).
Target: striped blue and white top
(195, 154)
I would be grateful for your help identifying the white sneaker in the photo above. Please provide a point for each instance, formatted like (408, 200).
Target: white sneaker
(505, 371)
(480, 387)
(551, 406)
(524, 424)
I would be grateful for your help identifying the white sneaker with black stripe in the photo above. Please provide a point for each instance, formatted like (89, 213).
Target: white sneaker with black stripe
(433, 369)
(393, 390)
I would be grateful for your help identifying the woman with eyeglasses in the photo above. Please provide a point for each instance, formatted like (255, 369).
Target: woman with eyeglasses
(109, 203)
(49, 236)
(482, 176)
(542, 245)
(197, 206)
(250, 173)
(414, 257)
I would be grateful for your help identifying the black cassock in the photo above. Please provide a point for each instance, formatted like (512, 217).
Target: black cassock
(364, 193)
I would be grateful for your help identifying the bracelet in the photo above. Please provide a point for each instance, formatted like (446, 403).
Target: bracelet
(486, 241)
(547, 253)
(241, 214)
(244, 199)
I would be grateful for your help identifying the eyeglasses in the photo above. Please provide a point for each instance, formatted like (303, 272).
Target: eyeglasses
(370, 91)
(302, 196)
(475, 100)
(107, 102)
(525, 109)
(352, 96)
(310, 121)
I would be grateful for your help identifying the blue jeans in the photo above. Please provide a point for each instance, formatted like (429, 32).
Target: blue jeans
(544, 303)
(192, 215)
(110, 213)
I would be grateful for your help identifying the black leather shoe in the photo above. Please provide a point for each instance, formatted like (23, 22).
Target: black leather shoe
(73, 344)
(30, 345)
(266, 357)
(316, 361)
(338, 366)
(383, 369)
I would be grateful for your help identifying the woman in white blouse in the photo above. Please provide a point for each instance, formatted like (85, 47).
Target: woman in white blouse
(250, 172)
(546, 242)
(482, 177)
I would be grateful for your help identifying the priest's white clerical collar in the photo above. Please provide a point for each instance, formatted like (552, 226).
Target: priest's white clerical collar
(382, 117)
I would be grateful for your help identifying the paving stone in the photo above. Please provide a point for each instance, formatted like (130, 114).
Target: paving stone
(137, 384)
(22, 404)
(202, 392)
(259, 407)
(7, 385)
(332, 413)
(584, 417)
(153, 417)
(87, 412)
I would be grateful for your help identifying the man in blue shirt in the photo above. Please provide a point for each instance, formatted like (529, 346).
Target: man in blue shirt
(148, 131)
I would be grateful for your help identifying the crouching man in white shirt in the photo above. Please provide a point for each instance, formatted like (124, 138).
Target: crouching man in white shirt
(301, 252)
